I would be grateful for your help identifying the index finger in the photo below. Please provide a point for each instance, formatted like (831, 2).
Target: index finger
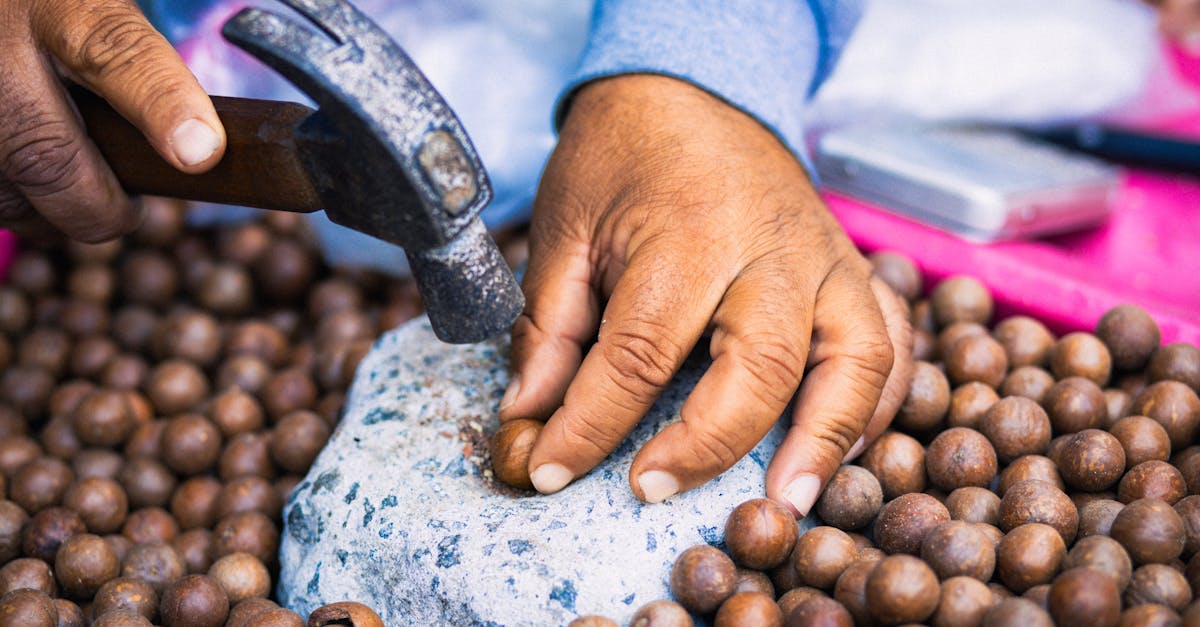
(658, 309)
(110, 48)
(758, 349)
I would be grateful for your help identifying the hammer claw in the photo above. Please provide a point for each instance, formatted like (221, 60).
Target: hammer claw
(388, 157)
(286, 45)
(339, 20)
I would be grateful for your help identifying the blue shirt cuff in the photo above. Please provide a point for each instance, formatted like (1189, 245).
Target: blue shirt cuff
(763, 57)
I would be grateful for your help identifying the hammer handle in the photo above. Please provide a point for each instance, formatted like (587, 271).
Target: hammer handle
(261, 167)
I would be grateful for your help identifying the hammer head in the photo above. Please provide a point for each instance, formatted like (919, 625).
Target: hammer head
(389, 158)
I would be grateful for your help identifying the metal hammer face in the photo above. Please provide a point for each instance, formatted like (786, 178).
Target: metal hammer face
(388, 157)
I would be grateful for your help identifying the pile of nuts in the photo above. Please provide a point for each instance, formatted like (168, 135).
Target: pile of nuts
(160, 397)
(1027, 480)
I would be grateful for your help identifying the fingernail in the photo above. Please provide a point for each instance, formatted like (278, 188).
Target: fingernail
(510, 395)
(802, 492)
(550, 478)
(856, 449)
(658, 486)
(194, 142)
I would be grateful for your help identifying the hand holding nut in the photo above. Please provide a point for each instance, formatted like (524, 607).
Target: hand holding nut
(664, 215)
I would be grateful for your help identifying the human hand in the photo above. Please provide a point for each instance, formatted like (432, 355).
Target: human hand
(688, 215)
(52, 177)
(1179, 19)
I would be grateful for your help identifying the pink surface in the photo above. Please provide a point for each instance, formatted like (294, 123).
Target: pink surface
(8, 248)
(1186, 63)
(1147, 253)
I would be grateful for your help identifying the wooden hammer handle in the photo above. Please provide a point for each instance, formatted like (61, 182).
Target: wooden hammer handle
(261, 166)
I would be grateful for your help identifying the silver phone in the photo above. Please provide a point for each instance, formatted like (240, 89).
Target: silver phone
(982, 183)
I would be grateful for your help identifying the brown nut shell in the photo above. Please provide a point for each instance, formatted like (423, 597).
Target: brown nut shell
(1130, 334)
(702, 578)
(898, 463)
(964, 601)
(1016, 426)
(1082, 596)
(1142, 438)
(1092, 460)
(927, 401)
(903, 523)
(851, 499)
(822, 554)
(1175, 406)
(1102, 554)
(1036, 501)
(958, 548)
(961, 299)
(511, 446)
(960, 457)
(760, 534)
(749, 608)
(1150, 530)
(1029, 555)
(902, 589)
(1158, 583)
(971, 504)
(1153, 479)
(194, 600)
(1081, 355)
(1074, 404)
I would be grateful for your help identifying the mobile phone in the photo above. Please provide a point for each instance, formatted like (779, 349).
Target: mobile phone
(982, 183)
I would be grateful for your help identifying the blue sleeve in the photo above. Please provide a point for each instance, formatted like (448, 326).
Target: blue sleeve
(765, 57)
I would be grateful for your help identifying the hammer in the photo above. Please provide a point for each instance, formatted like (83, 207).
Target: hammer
(383, 154)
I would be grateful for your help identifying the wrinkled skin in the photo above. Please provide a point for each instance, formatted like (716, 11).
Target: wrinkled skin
(1179, 19)
(52, 177)
(664, 214)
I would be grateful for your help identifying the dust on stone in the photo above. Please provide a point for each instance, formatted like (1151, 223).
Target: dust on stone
(477, 450)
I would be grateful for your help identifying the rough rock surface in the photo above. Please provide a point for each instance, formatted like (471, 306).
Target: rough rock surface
(400, 511)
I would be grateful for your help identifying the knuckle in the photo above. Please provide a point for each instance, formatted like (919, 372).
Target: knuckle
(592, 437)
(872, 355)
(714, 447)
(853, 266)
(41, 155)
(524, 333)
(116, 38)
(775, 362)
(642, 361)
(836, 432)
(160, 88)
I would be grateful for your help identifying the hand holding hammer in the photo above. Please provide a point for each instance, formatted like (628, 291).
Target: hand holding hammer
(383, 155)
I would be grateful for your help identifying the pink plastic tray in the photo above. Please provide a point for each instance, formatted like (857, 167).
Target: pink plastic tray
(1148, 253)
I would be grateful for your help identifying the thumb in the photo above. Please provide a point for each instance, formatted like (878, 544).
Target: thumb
(110, 48)
(560, 318)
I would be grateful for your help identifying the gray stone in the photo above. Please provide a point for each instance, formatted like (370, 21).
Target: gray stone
(400, 511)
